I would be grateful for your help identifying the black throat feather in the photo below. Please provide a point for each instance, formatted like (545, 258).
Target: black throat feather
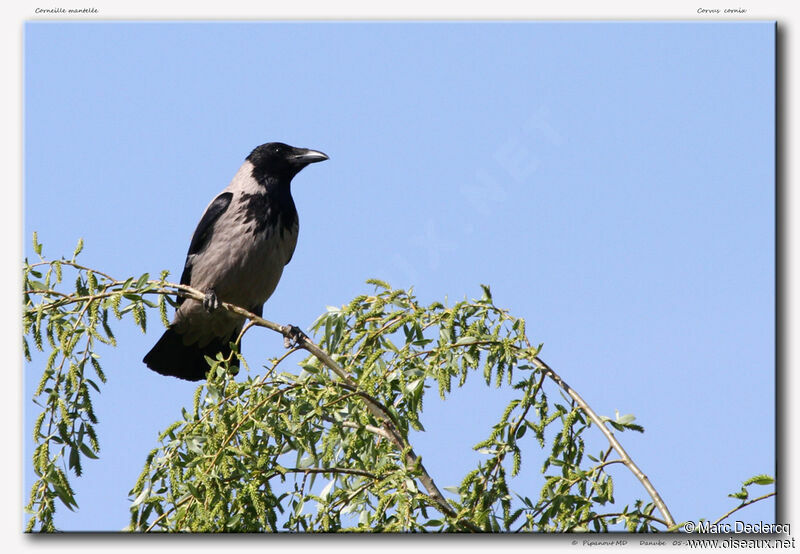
(270, 208)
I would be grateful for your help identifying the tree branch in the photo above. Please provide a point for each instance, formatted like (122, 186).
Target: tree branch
(390, 429)
(617, 514)
(626, 459)
(412, 460)
(743, 505)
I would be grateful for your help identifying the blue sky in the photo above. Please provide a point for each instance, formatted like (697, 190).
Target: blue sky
(612, 182)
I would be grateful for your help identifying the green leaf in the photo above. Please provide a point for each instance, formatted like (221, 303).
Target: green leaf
(75, 460)
(626, 419)
(327, 490)
(142, 496)
(37, 285)
(433, 523)
(760, 480)
(142, 280)
(742, 494)
(305, 462)
(61, 487)
(88, 452)
(412, 386)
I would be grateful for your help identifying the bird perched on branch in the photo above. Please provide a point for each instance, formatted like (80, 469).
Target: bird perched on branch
(244, 239)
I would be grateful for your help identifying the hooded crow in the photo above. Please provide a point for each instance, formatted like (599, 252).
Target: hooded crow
(245, 237)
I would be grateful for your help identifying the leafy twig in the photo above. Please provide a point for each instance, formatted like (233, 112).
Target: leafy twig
(742, 505)
(626, 459)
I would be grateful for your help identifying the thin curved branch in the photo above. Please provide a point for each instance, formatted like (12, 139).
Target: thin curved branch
(166, 513)
(626, 459)
(412, 460)
(743, 505)
(380, 431)
(378, 410)
(617, 514)
(325, 470)
(275, 473)
(570, 484)
(74, 264)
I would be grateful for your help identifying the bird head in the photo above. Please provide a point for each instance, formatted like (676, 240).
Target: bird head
(278, 162)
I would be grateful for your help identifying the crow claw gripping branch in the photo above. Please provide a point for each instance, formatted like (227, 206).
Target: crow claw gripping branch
(210, 302)
(293, 337)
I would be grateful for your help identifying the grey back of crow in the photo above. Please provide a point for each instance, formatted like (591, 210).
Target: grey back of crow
(246, 236)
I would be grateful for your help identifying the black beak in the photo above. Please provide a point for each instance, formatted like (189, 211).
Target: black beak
(305, 156)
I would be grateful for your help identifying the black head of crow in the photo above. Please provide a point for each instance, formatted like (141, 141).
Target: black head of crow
(279, 162)
(237, 253)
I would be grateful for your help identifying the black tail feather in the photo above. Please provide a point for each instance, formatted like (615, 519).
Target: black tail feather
(171, 357)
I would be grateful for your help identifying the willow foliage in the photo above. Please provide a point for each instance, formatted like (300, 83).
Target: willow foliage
(303, 449)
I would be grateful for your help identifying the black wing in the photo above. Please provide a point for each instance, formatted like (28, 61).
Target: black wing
(203, 233)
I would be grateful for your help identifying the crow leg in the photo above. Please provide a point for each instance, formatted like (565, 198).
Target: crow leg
(210, 302)
(293, 337)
